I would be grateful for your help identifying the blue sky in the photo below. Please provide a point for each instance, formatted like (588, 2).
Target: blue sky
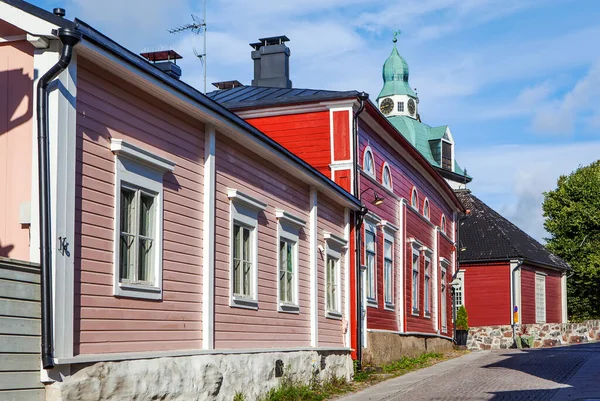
(518, 81)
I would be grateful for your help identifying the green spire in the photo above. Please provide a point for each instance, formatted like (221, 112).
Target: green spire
(395, 74)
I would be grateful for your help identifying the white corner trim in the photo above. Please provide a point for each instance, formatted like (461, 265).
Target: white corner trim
(238, 196)
(142, 156)
(387, 226)
(314, 267)
(289, 218)
(208, 253)
(335, 240)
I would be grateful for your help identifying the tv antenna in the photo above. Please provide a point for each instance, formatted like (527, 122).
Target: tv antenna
(198, 28)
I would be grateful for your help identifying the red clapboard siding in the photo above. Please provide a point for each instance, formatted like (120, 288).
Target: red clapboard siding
(306, 135)
(527, 295)
(381, 318)
(487, 294)
(342, 178)
(553, 298)
(341, 135)
(553, 294)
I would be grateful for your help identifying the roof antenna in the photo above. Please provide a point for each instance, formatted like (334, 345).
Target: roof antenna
(198, 28)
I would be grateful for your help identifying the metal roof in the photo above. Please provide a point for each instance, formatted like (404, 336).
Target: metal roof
(260, 96)
(487, 235)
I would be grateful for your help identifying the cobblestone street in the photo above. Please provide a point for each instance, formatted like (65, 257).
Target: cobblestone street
(562, 373)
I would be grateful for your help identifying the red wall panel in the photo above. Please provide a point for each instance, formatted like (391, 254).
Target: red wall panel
(343, 179)
(487, 294)
(341, 135)
(553, 295)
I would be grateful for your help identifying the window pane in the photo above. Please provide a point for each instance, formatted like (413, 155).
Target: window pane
(127, 243)
(237, 246)
(127, 256)
(146, 215)
(127, 210)
(145, 260)
(388, 250)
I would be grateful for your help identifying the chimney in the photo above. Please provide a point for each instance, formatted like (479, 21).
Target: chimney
(165, 60)
(271, 62)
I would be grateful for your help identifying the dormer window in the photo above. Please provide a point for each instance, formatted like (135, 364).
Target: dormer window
(401, 107)
(368, 163)
(446, 155)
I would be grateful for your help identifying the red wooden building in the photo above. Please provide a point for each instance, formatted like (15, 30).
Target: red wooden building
(503, 270)
(407, 250)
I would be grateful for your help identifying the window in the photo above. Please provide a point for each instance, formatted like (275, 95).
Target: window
(447, 155)
(139, 223)
(386, 176)
(444, 298)
(427, 287)
(401, 106)
(459, 297)
(426, 209)
(244, 249)
(540, 298)
(336, 246)
(388, 273)
(370, 240)
(443, 224)
(288, 228)
(415, 280)
(414, 200)
(368, 163)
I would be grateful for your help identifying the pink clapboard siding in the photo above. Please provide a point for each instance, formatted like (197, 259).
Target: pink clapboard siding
(108, 107)
(330, 219)
(16, 127)
(238, 168)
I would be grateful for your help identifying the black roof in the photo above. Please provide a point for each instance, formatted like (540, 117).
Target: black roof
(259, 96)
(488, 236)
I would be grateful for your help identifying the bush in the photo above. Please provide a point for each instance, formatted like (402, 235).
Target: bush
(462, 319)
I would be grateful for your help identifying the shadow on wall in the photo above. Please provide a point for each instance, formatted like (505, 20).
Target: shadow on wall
(5, 250)
(15, 91)
(556, 365)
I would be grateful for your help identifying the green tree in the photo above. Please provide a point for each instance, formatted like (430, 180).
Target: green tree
(572, 213)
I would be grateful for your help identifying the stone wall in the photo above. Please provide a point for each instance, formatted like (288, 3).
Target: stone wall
(533, 335)
(199, 377)
(384, 348)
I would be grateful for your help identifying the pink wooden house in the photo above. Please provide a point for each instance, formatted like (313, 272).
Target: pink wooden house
(186, 247)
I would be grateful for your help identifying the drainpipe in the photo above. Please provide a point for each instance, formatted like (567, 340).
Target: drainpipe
(362, 97)
(513, 297)
(69, 38)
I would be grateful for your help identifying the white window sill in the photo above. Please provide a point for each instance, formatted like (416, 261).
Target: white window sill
(372, 303)
(288, 308)
(415, 312)
(238, 301)
(333, 315)
(427, 315)
(138, 291)
(389, 307)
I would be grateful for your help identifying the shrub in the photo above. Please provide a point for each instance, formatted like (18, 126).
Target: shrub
(462, 319)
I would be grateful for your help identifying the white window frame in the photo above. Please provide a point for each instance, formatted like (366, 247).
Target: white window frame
(336, 247)
(540, 317)
(288, 230)
(368, 151)
(244, 210)
(415, 285)
(459, 291)
(427, 285)
(414, 199)
(426, 209)
(139, 169)
(384, 168)
(444, 269)
(371, 227)
(388, 236)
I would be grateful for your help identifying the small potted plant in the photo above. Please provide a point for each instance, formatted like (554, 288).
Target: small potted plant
(462, 326)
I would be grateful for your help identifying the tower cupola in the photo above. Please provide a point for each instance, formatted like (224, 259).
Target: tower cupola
(402, 98)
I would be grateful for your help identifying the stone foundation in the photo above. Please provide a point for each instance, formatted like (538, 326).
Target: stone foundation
(384, 348)
(533, 335)
(198, 377)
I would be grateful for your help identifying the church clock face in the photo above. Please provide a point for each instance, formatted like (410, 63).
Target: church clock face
(386, 106)
(411, 107)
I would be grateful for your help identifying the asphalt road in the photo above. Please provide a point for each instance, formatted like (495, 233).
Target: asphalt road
(549, 374)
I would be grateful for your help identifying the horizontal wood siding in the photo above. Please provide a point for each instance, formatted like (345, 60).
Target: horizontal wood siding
(20, 332)
(527, 295)
(16, 126)
(341, 135)
(420, 230)
(553, 298)
(240, 169)
(330, 219)
(307, 135)
(487, 294)
(108, 107)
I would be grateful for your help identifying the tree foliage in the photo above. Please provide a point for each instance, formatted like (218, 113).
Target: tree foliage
(462, 318)
(572, 213)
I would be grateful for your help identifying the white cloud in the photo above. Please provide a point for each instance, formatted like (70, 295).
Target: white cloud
(512, 178)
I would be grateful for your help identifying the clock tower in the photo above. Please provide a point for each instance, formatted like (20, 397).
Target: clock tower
(397, 97)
